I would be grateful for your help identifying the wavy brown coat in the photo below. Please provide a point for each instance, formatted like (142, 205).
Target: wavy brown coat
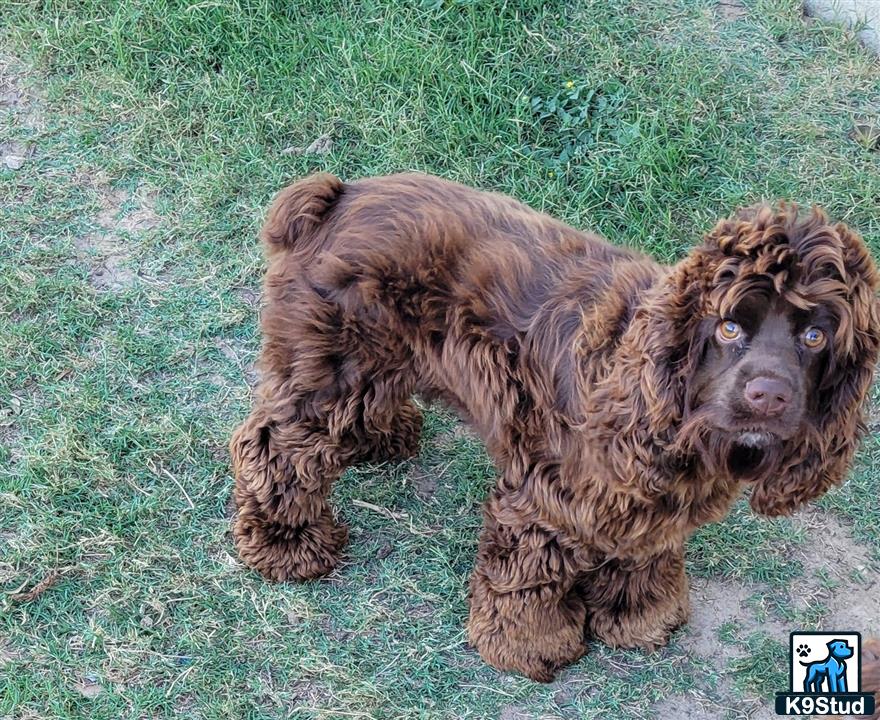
(571, 359)
(870, 680)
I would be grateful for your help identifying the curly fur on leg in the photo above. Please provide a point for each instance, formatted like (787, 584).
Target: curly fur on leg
(401, 441)
(524, 614)
(284, 528)
(290, 451)
(283, 552)
(637, 604)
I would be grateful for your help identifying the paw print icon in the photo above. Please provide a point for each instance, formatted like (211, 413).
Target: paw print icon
(803, 650)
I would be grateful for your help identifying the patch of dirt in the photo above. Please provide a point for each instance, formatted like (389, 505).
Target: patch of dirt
(512, 712)
(861, 16)
(832, 552)
(231, 506)
(337, 634)
(186, 705)
(88, 687)
(384, 550)
(15, 154)
(464, 657)
(311, 693)
(153, 614)
(10, 95)
(731, 10)
(715, 603)
(449, 439)
(379, 545)
(241, 356)
(17, 96)
(838, 572)
(7, 654)
(9, 429)
(21, 108)
(872, 410)
(122, 217)
(248, 295)
(710, 706)
(423, 481)
(866, 134)
(422, 611)
(320, 146)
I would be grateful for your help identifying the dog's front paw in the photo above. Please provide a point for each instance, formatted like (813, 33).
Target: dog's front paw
(619, 637)
(538, 659)
(525, 633)
(648, 632)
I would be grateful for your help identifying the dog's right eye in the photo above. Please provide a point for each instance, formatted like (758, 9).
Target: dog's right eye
(728, 331)
(814, 338)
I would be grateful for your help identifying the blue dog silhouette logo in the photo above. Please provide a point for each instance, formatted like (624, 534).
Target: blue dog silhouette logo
(824, 676)
(830, 672)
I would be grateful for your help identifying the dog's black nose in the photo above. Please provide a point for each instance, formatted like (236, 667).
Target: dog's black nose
(768, 396)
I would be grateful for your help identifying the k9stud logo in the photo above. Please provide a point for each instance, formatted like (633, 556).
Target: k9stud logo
(825, 671)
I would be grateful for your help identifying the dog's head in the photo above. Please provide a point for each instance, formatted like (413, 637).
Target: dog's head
(763, 344)
(840, 650)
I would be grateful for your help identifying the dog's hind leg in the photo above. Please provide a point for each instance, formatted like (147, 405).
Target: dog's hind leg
(313, 421)
(813, 679)
(285, 461)
(287, 455)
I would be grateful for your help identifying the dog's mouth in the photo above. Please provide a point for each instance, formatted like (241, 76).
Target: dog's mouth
(747, 453)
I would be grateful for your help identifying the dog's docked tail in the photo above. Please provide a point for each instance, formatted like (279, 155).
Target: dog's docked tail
(298, 210)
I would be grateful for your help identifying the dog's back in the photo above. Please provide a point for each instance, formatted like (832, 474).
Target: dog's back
(424, 257)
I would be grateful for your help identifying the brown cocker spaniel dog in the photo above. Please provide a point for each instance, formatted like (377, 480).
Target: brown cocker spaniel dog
(624, 403)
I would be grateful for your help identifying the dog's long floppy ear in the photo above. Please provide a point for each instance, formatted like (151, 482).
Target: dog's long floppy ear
(820, 457)
(668, 322)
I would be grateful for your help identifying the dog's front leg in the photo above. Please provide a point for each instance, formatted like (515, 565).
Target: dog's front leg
(637, 604)
(524, 614)
(837, 680)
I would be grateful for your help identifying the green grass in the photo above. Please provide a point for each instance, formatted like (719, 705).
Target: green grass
(116, 403)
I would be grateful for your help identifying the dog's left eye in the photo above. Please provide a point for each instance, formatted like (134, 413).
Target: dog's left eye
(728, 330)
(813, 338)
